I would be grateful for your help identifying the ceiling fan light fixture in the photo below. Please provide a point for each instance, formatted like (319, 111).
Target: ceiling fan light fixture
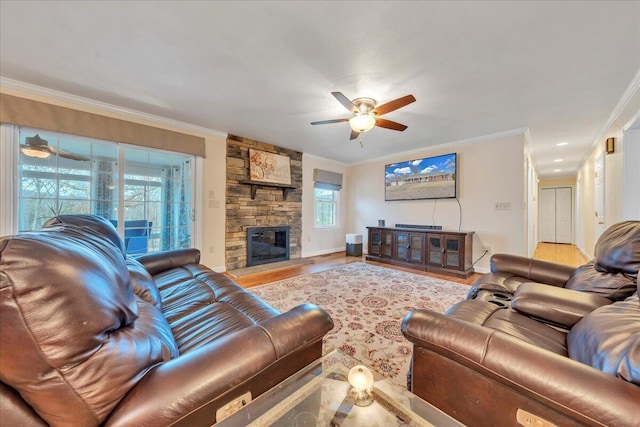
(34, 152)
(362, 122)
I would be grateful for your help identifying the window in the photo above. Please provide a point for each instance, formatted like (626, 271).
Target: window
(326, 208)
(146, 193)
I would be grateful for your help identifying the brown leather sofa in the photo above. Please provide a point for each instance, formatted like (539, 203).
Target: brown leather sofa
(610, 274)
(537, 341)
(90, 337)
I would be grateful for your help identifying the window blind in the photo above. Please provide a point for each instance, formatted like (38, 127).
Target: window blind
(40, 115)
(327, 180)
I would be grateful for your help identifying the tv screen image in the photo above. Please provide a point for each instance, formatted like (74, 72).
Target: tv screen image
(426, 178)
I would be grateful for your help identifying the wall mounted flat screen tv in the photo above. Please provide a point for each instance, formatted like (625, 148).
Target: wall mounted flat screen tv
(426, 178)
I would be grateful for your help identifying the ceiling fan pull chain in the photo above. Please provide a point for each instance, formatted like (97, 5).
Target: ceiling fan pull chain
(361, 144)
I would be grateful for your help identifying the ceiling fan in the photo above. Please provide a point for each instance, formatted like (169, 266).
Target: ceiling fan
(366, 114)
(37, 147)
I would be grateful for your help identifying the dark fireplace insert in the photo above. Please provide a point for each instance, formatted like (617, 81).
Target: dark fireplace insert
(267, 244)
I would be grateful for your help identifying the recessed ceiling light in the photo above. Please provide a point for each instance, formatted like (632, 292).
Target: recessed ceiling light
(558, 160)
(557, 170)
(560, 144)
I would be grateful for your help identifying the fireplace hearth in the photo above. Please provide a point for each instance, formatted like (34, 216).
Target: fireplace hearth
(267, 244)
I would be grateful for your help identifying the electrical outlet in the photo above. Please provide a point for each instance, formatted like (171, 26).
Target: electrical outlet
(486, 249)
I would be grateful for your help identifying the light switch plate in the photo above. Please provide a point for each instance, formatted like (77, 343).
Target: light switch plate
(503, 206)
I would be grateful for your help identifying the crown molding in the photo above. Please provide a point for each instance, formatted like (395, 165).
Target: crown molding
(109, 108)
(489, 137)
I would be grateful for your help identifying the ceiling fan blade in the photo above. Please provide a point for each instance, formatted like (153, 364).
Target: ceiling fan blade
(346, 102)
(67, 155)
(354, 134)
(393, 105)
(326, 122)
(74, 157)
(389, 124)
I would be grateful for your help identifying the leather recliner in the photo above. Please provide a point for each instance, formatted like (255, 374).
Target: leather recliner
(610, 274)
(566, 352)
(89, 336)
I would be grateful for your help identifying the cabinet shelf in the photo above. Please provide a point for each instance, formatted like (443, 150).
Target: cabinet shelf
(255, 184)
(438, 251)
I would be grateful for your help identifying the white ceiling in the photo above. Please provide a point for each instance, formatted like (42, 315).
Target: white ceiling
(265, 70)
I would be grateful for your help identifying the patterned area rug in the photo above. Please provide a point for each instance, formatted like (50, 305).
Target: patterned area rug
(367, 304)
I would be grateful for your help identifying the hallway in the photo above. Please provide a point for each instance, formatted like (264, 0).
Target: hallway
(560, 253)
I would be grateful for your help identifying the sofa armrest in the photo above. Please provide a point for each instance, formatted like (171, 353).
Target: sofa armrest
(546, 377)
(204, 377)
(297, 327)
(534, 270)
(564, 307)
(157, 262)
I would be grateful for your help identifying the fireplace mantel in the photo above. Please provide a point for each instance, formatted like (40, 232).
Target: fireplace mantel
(255, 184)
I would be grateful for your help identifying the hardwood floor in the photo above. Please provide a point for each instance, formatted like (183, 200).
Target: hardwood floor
(326, 262)
(560, 253)
(565, 254)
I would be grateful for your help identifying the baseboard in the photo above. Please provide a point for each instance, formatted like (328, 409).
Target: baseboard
(219, 269)
(482, 270)
(586, 255)
(322, 252)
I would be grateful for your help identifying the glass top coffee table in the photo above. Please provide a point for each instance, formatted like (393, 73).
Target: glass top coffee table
(319, 395)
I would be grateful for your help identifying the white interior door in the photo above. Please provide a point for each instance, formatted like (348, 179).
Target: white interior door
(564, 215)
(556, 215)
(548, 215)
(599, 196)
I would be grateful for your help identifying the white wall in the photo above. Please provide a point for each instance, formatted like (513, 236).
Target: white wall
(631, 170)
(214, 195)
(320, 241)
(614, 182)
(490, 170)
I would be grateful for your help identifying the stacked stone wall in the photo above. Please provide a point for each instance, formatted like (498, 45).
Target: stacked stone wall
(267, 209)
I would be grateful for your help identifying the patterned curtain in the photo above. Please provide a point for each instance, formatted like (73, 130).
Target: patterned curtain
(184, 206)
(176, 215)
(167, 215)
(104, 191)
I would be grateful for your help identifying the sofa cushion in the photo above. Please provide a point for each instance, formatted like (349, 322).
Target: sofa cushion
(78, 335)
(143, 284)
(618, 249)
(559, 306)
(90, 224)
(608, 339)
(616, 286)
(201, 306)
(511, 323)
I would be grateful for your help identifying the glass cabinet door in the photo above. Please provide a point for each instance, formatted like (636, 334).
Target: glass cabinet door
(452, 251)
(374, 242)
(386, 243)
(436, 249)
(416, 248)
(402, 243)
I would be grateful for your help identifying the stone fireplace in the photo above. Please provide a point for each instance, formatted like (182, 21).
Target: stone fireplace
(267, 208)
